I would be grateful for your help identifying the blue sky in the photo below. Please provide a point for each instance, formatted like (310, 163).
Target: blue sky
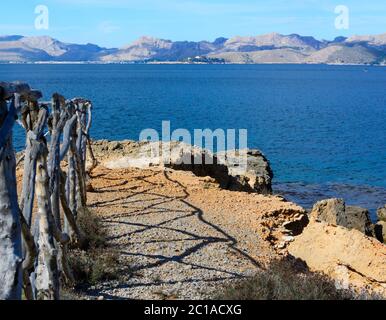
(114, 23)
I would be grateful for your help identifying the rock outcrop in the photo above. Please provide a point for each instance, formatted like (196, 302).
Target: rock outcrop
(380, 231)
(249, 172)
(201, 162)
(348, 256)
(380, 227)
(335, 212)
(359, 218)
(381, 213)
(331, 211)
(280, 226)
(256, 177)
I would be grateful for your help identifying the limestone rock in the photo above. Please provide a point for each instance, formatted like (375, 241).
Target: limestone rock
(255, 177)
(288, 238)
(330, 249)
(380, 231)
(297, 224)
(199, 161)
(246, 170)
(114, 145)
(283, 224)
(335, 212)
(331, 211)
(359, 218)
(381, 212)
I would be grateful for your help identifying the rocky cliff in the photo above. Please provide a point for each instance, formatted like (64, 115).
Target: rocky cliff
(224, 167)
(348, 256)
(139, 194)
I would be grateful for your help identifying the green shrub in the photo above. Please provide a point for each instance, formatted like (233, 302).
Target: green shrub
(285, 280)
(93, 266)
(92, 227)
(96, 262)
(71, 295)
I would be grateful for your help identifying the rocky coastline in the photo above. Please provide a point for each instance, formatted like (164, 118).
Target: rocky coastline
(335, 239)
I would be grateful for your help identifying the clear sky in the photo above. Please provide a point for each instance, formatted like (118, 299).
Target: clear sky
(114, 23)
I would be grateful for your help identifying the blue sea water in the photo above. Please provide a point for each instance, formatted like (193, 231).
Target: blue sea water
(322, 127)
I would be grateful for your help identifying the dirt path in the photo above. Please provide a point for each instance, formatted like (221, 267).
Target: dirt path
(181, 235)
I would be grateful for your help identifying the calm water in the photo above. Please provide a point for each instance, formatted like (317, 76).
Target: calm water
(322, 127)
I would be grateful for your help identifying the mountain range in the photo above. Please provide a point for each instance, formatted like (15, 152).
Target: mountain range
(268, 48)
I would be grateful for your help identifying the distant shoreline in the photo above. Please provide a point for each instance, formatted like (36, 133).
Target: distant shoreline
(182, 63)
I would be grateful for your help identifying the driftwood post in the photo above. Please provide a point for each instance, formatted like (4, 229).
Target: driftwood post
(71, 177)
(57, 123)
(30, 116)
(47, 277)
(33, 121)
(67, 193)
(52, 243)
(30, 256)
(10, 228)
(83, 109)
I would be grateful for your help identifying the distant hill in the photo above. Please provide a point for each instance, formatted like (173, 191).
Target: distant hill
(148, 48)
(268, 48)
(32, 49)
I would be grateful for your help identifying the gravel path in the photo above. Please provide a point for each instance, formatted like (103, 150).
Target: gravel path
(181, 236)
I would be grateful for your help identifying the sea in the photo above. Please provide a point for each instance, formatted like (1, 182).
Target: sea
(322, 127)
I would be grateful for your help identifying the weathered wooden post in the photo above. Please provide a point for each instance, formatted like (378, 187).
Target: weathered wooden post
(58, 121)
(30, 255)
(56, 124)
(67, 194)
(83, 126)
(34, 121)
(52, 255)
(47, 275)
(10, 227)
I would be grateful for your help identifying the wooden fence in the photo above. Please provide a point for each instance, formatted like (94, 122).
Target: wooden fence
(37, 226)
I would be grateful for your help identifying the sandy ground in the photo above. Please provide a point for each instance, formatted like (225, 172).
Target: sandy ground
(181, 235)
